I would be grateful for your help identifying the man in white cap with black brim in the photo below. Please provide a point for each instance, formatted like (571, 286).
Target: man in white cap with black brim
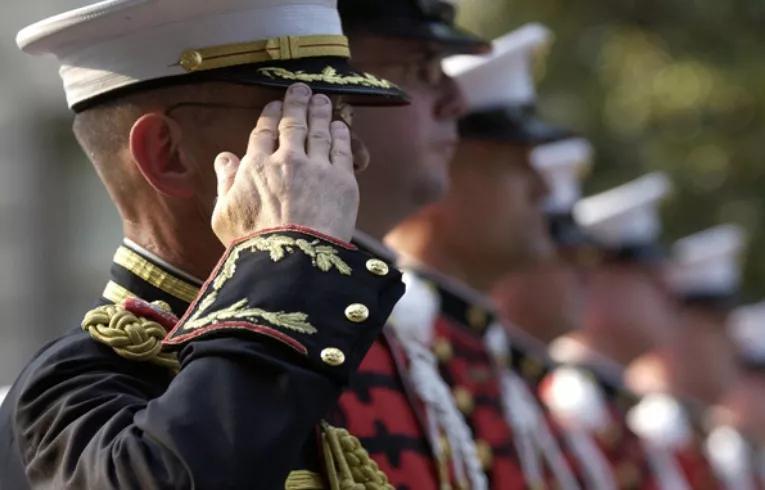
(623, 298)
(543, 298)
(233, 394)
(490, 220)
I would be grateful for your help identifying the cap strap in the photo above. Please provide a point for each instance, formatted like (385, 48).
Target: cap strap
(276, 48)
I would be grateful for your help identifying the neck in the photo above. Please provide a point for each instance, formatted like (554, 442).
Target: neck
(174, 242)
(421, 242)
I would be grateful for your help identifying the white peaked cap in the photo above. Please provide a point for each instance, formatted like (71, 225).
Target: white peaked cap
(625, 215)
(708, 262)
(747, 329)
(117, 43)
(563, 165)
(506, 76)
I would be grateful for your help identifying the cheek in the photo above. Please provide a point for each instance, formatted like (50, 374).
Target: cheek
(389, 131)
(479, 202)
(507, 205)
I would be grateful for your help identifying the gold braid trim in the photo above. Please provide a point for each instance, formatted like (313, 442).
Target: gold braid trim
(349, 466)
(304, 480)
(327, 75)
(276, 48)
(131, 337)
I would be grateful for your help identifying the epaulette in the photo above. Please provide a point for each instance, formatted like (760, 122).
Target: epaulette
(134, 330)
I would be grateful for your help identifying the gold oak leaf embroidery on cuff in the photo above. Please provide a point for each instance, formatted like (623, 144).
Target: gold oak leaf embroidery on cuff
(323, 257)
(297, 322)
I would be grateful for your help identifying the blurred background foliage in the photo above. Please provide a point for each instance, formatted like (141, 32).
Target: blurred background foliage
(671, 85)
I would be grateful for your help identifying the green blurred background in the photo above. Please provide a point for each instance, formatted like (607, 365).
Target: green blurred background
(672, 85)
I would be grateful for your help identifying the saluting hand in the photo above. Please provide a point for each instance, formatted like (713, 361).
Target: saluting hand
(298, 170)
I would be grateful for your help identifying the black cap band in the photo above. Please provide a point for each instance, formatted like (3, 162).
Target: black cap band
(511, 124)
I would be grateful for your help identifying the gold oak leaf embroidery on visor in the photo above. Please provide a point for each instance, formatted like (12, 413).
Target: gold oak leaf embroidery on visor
(327, 75)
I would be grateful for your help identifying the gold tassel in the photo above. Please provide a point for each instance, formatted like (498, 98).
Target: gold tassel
(349, 466)
(304, 480)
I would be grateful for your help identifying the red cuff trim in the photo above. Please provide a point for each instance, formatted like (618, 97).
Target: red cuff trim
(297, 229)
(258, 329)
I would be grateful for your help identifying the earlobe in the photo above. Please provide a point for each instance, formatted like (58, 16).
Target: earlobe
(154, 145)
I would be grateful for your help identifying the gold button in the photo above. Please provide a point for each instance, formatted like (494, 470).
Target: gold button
(191, 60)
(162, 306)
(477, 317)
(333, 356)
(378, 267)
(357, 313)
(464, 400)
(443, 350)
(531, 370)
(485, 454)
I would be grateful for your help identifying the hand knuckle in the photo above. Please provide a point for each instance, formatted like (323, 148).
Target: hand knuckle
(341, 153)
(263, 132)
(289, 125)
(291, 155)
(319, 135)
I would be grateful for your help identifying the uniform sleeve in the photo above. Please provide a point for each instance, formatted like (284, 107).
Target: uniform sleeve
(265, 351)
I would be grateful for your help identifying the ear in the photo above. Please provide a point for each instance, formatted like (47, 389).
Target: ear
(154, 146)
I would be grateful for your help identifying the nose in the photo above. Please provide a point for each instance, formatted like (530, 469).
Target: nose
(450, 101)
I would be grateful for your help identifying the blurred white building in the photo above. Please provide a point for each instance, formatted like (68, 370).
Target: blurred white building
(58, 229)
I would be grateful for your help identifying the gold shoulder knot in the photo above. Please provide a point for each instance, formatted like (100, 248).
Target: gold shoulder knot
(349, 466)
(134, 337)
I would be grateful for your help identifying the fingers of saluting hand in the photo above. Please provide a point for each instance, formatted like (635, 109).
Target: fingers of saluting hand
(226, 167)
(263, 138)
(341, 154)
(319, 138)
(293, 127)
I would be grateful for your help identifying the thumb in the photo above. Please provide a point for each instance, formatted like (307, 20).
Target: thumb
(226, 166)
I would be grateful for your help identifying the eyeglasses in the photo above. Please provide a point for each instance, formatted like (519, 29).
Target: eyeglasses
(341, 110)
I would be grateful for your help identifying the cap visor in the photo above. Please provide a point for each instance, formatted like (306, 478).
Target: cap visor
(511, 126)
(328, 75)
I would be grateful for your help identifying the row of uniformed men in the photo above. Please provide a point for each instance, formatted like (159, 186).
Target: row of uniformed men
(457, 389)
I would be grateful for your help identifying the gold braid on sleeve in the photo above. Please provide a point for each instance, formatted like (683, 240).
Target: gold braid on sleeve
(130, 336)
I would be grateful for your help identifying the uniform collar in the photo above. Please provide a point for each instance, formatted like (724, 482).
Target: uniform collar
(374, 246)
(460, 302)
(138, 273)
